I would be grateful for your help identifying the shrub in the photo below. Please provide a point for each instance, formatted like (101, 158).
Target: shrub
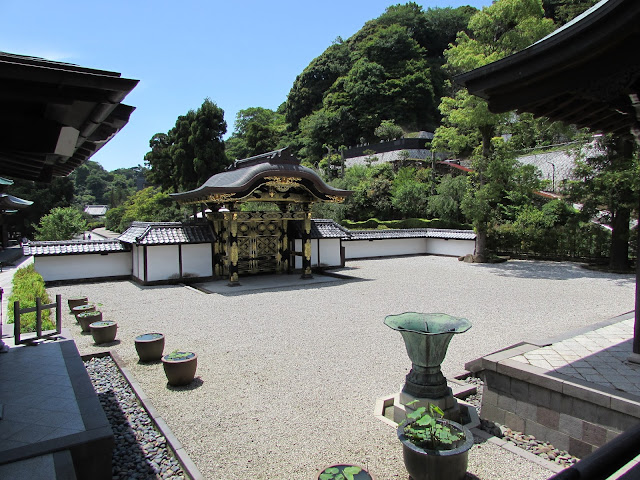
(27, 285)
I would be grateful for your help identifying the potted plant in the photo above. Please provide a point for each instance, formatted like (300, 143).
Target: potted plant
(87, 307)
(104, 331)
(344, 471)
(434, 448)
(75, 301)
(180, 367)
(87, 318)
(149, 346)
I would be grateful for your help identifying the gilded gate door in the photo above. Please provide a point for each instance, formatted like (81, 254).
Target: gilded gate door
(258, 246)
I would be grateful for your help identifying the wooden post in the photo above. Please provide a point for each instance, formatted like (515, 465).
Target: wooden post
(16, 322)
(59, 314)
(306, 244)
(233, 246)
(38, 318)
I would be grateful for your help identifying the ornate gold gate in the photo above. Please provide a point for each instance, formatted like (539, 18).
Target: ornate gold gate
(258, 246)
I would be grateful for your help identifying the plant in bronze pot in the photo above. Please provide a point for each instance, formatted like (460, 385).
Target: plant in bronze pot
(434, 448)
(87, 318)
(180, 367)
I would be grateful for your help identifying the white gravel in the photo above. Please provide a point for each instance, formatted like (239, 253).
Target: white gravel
(288, 378)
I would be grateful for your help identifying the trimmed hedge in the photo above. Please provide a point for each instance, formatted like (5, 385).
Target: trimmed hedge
(27, 285)
(374, 223)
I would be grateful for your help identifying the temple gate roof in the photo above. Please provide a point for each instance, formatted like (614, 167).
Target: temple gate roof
(259, 178)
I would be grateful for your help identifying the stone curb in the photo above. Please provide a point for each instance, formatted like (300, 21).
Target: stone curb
(174, 444)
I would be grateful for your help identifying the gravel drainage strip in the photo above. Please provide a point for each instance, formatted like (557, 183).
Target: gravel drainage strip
(145, 448)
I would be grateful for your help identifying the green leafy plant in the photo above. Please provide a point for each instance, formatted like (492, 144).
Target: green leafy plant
(94, 313)
(27, 284)
(429, 431)
(340, 472)
(176, 355)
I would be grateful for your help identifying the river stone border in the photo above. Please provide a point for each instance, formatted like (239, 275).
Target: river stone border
(189, 468)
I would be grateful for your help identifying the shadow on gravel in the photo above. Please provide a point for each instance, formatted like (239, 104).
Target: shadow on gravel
(196, 383)
(129, 459)
(151, 362)
(551, 271)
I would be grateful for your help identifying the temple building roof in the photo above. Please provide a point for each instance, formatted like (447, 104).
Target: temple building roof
(54, 115)
(167, 233)
(585, 73)
(9, 202)
(263, 178)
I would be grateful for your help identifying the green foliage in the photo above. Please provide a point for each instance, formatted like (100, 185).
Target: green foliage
(376, 224)
(93, 185)
(257, 130)
(148, 205)
(562, 11)
(27, 285)
(429, 431)
(45, 197)
(390, 69)
(61, 224)
(388, 130)
(191, 151)
(447, 202)
(341, 472)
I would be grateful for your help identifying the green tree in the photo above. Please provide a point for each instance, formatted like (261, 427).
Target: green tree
(446, 203)
(256, 130)
(562, 11)
(147, 205)
(191, 152)
(607, 187)
(61, 224)
(495, 32)
(388, 130)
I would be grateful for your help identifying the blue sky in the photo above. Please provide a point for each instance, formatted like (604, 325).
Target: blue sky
(240, 54)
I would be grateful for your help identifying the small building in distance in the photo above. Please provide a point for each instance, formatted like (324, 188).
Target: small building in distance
(96, 211)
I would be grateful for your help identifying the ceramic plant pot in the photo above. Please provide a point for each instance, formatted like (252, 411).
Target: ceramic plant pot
(87, 307)
(87, 318)
(77, 301)
(424, 464)
(180, 367)
(150, 346)
(103, 332)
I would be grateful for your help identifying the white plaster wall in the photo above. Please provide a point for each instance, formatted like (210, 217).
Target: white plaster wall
(196, 260)
(94, 265)
(451, 247)
(328, 248)
(135, 259)
(384, 248)
(162, 262)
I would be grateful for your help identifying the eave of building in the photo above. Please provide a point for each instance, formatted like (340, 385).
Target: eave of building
(555, 77)
(56, 115)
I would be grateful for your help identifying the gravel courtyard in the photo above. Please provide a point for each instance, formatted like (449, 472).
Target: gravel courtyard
(287, 378)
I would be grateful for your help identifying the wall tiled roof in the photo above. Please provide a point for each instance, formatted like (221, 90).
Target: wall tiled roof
(71, 247)
(167, 233)
(96, 210)
(411, 233)
(324, 228)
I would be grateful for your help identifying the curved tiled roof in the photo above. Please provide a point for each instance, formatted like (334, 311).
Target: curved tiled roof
(411, 233)
(167, 233)
(243, 176)
(71, 247)
(326, 228)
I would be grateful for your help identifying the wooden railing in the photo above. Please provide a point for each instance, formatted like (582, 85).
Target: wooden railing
(38, 309)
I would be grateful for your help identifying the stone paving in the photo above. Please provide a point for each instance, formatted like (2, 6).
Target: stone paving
(599, 356)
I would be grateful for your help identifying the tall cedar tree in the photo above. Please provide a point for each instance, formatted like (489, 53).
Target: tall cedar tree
(191, 152)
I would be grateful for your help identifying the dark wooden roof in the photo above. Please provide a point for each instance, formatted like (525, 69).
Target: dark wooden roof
(585, 73)
(244, 176)
(54, 115)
